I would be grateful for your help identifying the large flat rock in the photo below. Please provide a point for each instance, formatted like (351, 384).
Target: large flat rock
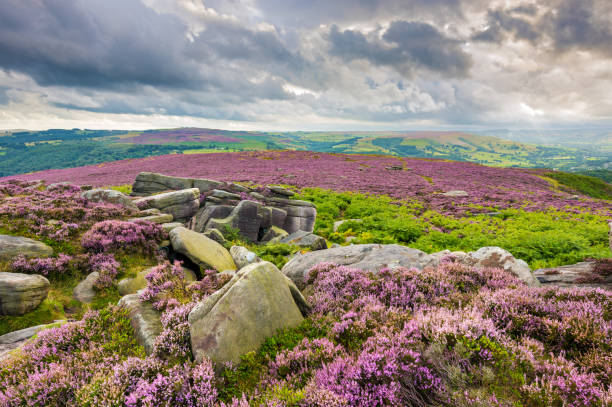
(182, 204)
(369, 257)
(21, 293)
(13, 246)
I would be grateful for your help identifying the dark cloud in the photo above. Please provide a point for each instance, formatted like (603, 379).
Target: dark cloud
(575, 25)
(406, 46)
(502, 22)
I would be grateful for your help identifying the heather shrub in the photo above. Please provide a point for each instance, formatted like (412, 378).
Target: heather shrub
(114, 235)
(47, 266)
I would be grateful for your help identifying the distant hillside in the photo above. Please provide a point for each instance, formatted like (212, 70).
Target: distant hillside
(71, 148)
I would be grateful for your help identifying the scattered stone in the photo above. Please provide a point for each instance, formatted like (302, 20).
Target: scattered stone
(369, 257)
(21, 293)
(455, 194)
(171, 225)
(159, 219)
(497, 257)
(13, 246)
(181, 204)
(145, 320)
(305, 239)
(339, 223)
(84, 291)
(281, 191)
(110, 196)
(150, 211)
(582, 274)
(394, 168)
(274, 234)
(243, 256)
(215, 235)
(200, 249)
(236, 319)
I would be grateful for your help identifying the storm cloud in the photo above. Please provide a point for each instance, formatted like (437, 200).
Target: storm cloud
(290, 64)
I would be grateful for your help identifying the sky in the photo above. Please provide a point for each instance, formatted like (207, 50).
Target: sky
(306, 64)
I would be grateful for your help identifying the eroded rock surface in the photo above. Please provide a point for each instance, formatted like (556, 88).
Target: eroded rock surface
(21, 293)
(145, 320)
(201, 250)
(13, 246)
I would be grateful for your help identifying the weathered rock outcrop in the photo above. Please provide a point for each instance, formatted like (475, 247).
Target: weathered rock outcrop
(370, 257)
(110, 196)
(145, 320)
(497, 257)
(147, 183)
(21, 293)
(182, 205)
(160, 218)
(243, 217)
(305, 239)
(201, 250)
(13, 246)
(84, 291)
(207, 213)
(236, 319)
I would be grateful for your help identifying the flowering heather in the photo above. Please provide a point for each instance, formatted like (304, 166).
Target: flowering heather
(106, 265)
(115, 235)
(449, 336)
(420, 179)
(46, 266)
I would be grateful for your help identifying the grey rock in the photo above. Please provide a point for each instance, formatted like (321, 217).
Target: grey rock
(369, 257)
(215, 235)
(239, 188)
(497, 257)
(84, 291)
(298, 298)
(27, 333)
(243, 256)
(171, 225)
(455, 194)
(264, 213)
(290, 202)
(145, 320)
(110, 196)
(243, 217)
(305, 239)
(205, 185)
(278, 217)
(181, 204)
(274, 234)
(21, 293)
(251, 307)
(149, 183)
(581, 274)
(207, 213)
(150, 211)
(257, 196)
(295, 223)
(301, 211)
(13, 246)
(201, 250)
(281, 191)
(159, 219)
(221, 194)
(339, 223)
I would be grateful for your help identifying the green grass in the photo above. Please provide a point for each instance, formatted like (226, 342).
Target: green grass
(584, 184)
(542, 239)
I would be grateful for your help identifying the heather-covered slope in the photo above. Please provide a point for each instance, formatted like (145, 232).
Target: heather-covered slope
(401, 178)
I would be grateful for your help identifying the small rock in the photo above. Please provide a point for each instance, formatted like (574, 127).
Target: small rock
(145, 320)
(274, 234)
(159, 219)
(497, 257)
(27, 333)
(182, 204)
(169, 226)
(305, 239)
(281, 191)
(84, 291)
(13, 246)
(21, 293)
(201, 250)
(221, 194)
(243, 256)
(215, 235)
(455, 194)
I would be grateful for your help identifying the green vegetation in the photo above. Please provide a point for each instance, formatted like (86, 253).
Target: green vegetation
(584, 184)
(71, 148)
(542, 239)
